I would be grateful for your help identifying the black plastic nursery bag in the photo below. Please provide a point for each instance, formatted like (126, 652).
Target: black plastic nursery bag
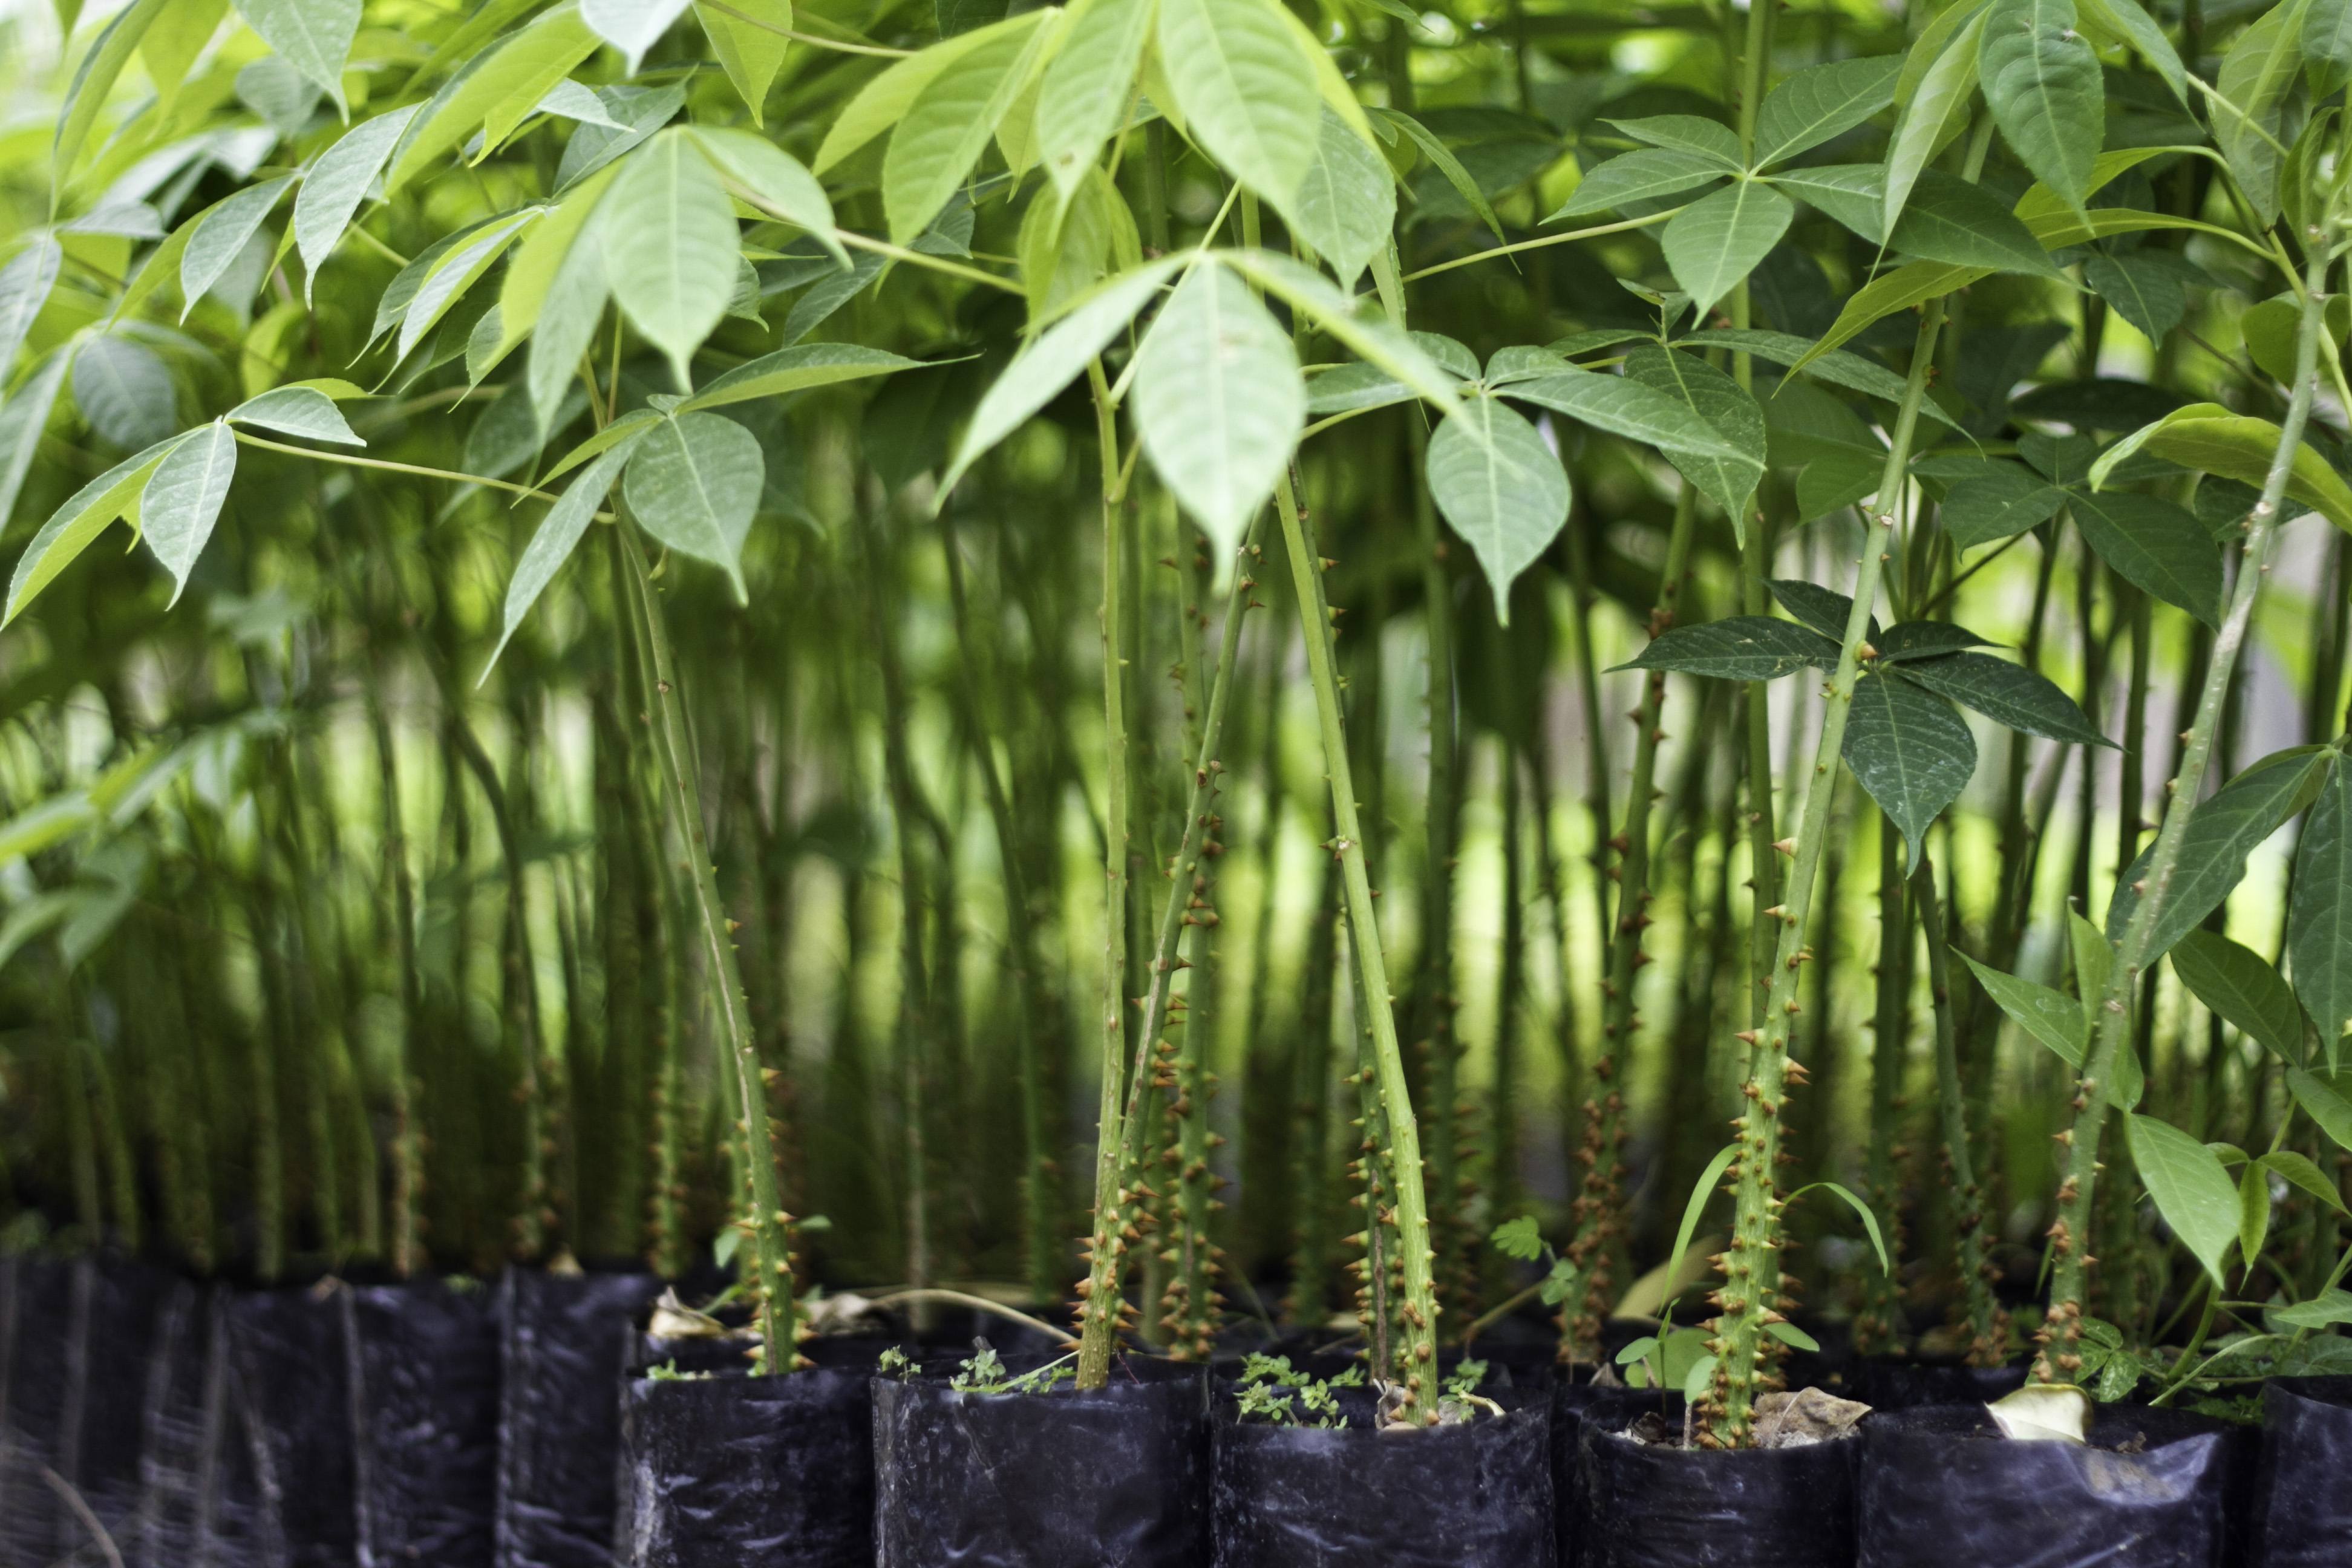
(727, 1470)
(1471, 1496)
(1651, 1506)
(98, 1443)
(292, 1386)
(172, 1450)
(1569, 1507)
(2303, 1488)
(38, 1331)
(566, 1341)
(425, 1396)
(1941, 1487)
(1111, 1478)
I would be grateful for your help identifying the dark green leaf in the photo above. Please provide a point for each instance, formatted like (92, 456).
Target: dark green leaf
(2143, 292)
(2241, 990)
(2008, 694)
(1910, 750)
(2160, 548)
(1837, 480)
(2322, 1105)
(1729, 412)
(2221, 832)
(2319, 926)
(1718, 240)
(1948, 219)
(1742, 647)
(2050, 1015)
(1641, 175)
(2041, 82)
(1825, 610)
(2192, 1191)
(1925, 639)
(1819, 102)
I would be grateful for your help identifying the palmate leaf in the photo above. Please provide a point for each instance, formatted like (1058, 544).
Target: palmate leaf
(93, 80)
(1837, 367)
(2049, 1015)
(2041, 82)
(1502, 489)
(303, 409)
(1906, 286)
(2140, 288)
(1910, 641)
(1718, 240)
(2210, 439)
(1690, 133)
(1729, 479)
(1636, 409)
(2257, 73)
(1825, 610)
(2008, 694)
(2191, 1188)
(23, 417)
(694, 481)
(2319, 923)
(2241, 990)
(2221, 832)
(508, 81)
(1909, 750)
(2002, 499)
(1218, 401)
(632, 27)
(125, 392)
(1934, 105)
(751, 53)
(221, 236)
(1739, 648)
(1819, 102)
(1442, 157)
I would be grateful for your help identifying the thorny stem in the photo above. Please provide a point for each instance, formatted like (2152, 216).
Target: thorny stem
(1419, 1308)
(1988, 1326)
(2071, 1233)
(1752, 1266)
(673, 753)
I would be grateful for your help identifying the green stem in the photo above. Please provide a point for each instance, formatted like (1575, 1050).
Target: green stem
(1749, 1295)
(1418, 1307)
(2071, 1233)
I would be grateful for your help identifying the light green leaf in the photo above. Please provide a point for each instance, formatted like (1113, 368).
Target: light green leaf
(2241, 990)
(2222, 831)
(950, 122)
(1718, 240)
(93, 80)
(1819, 102)
(1729, 477)
(1054, 359)
(73, 526)
(669, 242)
(507, 82)
(25, 285)
(2041, 82)
(750, 54)
(2256, 76)
(1695, 1207)
(1502, 489)
(2126, 20)
(314, 36)
(793, 369)
(457, 272)
(1789, 1334)
(2008, 694)
(1739, 648)
(1087, 85)
(1641, 175)
(2192, 1191)
(1854, 193)
(1066, 247)
(2158, 547)
(883, 102)
(183, 500)
(1910, 750)
(1219, 401)
(1687, 131)
(2210, 439)
(1368, 338)
(125, 392)
(222, 234)
(2299, 1169)
(1914, 284)
(1442, 157)
(22, 417)
(336, 185)
(694, 482)
(568, 313)
(772, 179)
(1951, 220)
(1869, 1220)
(632, 27)
(1638, 410)
(2319, 924)
(1352, 388)
(304, 411)
(2049, 1015)
(1935, 109)
(1346, 205)
(2326, 46)
(559, 535)
(1246, 89)
(2327, 1109)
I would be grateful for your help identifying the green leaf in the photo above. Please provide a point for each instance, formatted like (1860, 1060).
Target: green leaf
(2041, 82)
(304, 411)
(2253, 1211)
(2192, 1191)
(668, 237)
(1520, 1238)
(1935, 108)
(2254, 82)
(2160, 548)
(1218, 401)
(73, 526)
(566, 310)
(1914, 284)
(25, 285)
(1825, 610)
(2326, 46)
(793, 369)
(2144, 291)
(1688, 133)
(1837, 367)
(1644, 174)
(1852, 194)
(2008, 694)
(1346, 205)
(455, 273)
(948, 126)
(222, 234)
(1819, 102)
(125, 392)
(1087, 85)
(1696, 1207)
(1739, 648)
(1442, 157)
(2049, 1015)
(93, 80)
(772, 179)
(1729, 479)
(559, 535)
(694, 482)
(1636, 409)
(182, 500)
(883, 102)
(2005, 499)
(1951, 220)
(1718, 240)
(1352, 388)
(750, 54)
(2241, 990)
(2319, 923)
(1910, 750)
(2329, 1110)
(336, 185)
(508, 80)
(2210, 439)
(632, 27)
(1309, 293)
(1246, 89)
(1789, 1334)
(2126, 20)
(1869, 1220)
(314, 36)
(2221, 832)
(2299, 1169)
(1502, 489)
(1054, 359)
(22, 417)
